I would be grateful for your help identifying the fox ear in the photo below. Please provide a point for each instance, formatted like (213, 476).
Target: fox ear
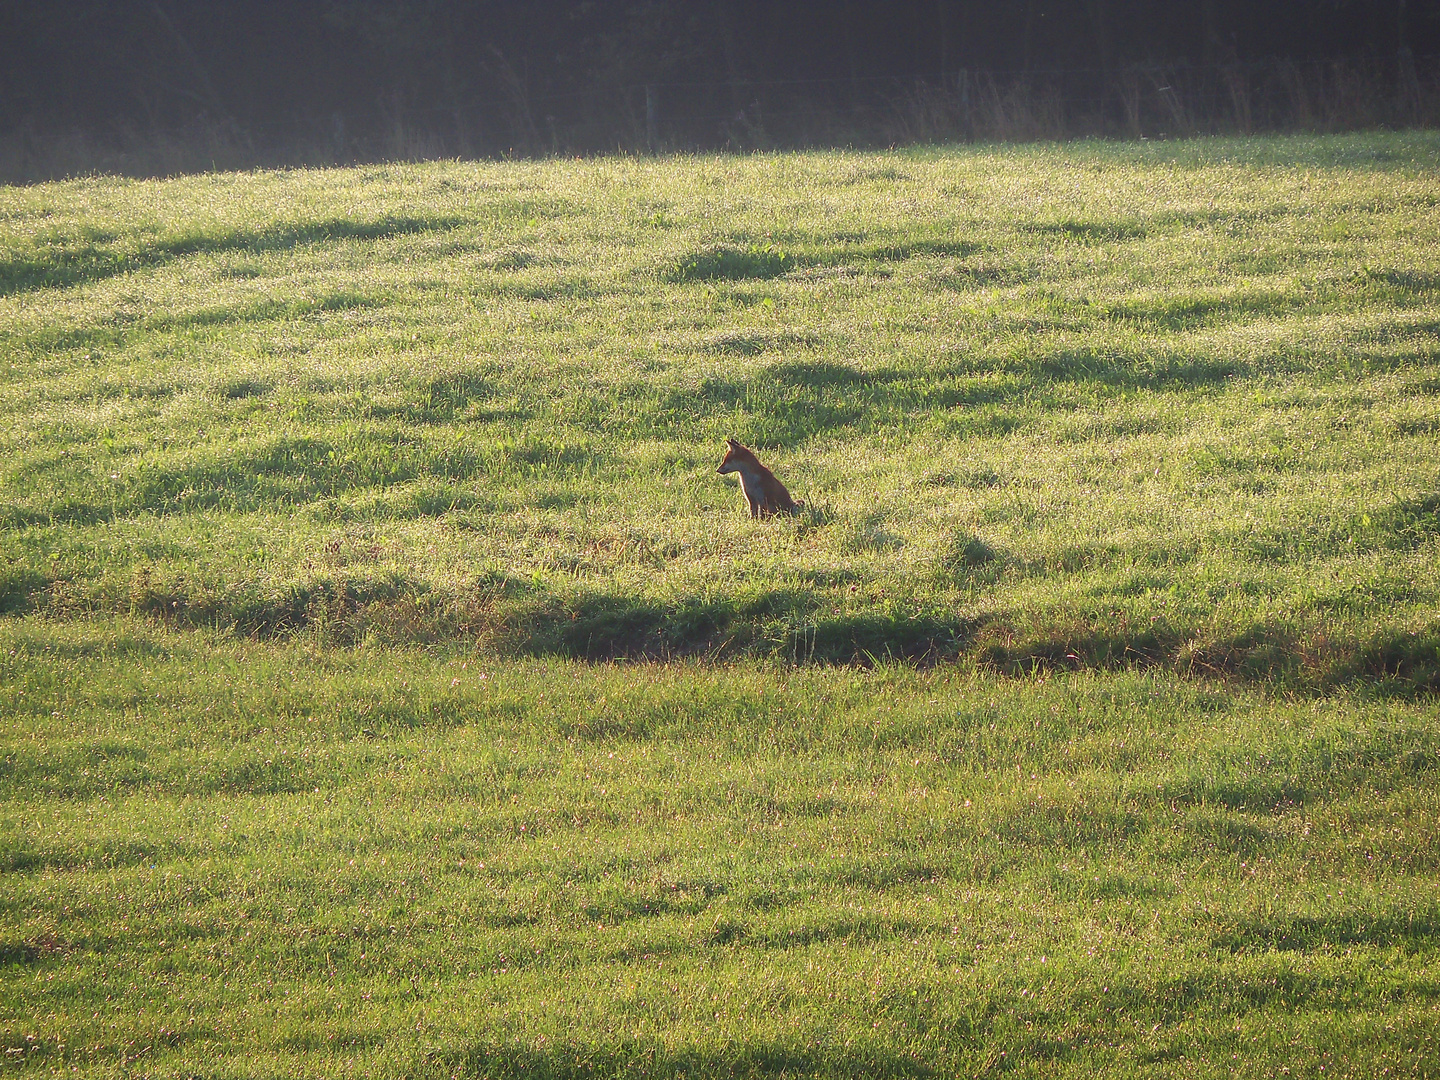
(731, 442)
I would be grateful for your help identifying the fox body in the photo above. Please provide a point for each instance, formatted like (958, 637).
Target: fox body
(765, 494)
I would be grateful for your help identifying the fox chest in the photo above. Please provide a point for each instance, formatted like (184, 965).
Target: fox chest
(752, 486)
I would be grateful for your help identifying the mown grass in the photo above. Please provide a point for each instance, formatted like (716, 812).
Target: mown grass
(389, 686)
(232, 859)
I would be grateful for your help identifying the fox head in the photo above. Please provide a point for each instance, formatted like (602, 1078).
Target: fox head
(735, 457)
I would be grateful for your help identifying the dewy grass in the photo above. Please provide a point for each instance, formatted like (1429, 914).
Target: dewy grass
(389, 686)
(1183, 395)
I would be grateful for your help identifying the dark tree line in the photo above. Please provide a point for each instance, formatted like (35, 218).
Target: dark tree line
(344, 79)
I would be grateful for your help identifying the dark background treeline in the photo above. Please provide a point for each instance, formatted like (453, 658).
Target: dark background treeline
(163, 85)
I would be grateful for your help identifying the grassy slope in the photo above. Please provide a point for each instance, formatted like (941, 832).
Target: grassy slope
(1098, 402)
(1046, 404)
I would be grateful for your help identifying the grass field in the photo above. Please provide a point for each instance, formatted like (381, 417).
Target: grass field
(390, 686)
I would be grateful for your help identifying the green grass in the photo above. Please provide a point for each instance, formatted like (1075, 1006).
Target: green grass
(1084, 722)
(1182, 397)
(247, 859)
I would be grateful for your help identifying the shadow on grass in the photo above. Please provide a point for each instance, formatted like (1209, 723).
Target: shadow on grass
(600, 627)
(65, 265)
(754, 344)
(1402, 663)
(116, 328)
(1412, 521)
(440, 399)
(1405, 282)
(762, 261)
(787, 402)
(1410, 933)
(790, 402)
(18, 587)
(1092, 232)
(726, 263)
(298, 470)
(110, 854)
(1192, 312)
(243, 389)
(635, 1060)
(1297, 771)
(391, 607)
(1170, 371)
(532, 618)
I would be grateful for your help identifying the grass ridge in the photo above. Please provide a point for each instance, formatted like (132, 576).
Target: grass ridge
(64, 263)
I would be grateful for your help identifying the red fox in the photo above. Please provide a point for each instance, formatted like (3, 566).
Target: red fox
(765, 494)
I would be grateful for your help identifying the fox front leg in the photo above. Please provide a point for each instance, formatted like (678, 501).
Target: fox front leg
(750, 487)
